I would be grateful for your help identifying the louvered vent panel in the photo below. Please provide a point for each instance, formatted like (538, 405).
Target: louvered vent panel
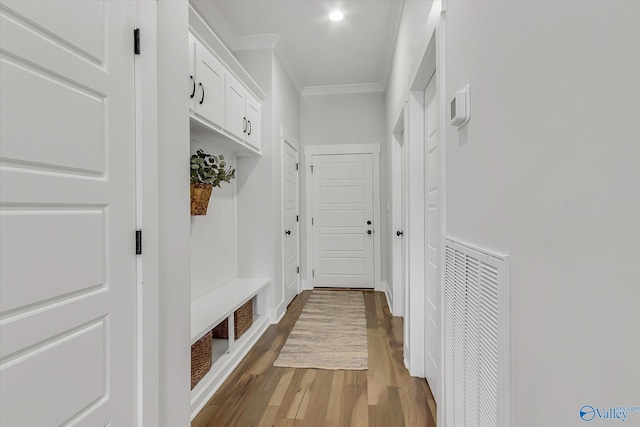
(475, 337)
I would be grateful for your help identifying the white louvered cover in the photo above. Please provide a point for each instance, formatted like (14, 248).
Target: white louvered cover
(476, 329)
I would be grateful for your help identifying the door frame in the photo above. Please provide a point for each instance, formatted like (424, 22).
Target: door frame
(287, 137)
(398, 144)
(429, 63)
(309, 152)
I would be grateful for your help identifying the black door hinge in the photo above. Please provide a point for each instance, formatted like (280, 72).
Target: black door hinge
(297, 166)
(311, 168)
(136, 41)
(297, 218)
(298, 270)
(313, 273)
(311, 221)
(138, 242)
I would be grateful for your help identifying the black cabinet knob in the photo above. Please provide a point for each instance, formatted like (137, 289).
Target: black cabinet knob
(201, 100)
(193, 92)
(399, 233)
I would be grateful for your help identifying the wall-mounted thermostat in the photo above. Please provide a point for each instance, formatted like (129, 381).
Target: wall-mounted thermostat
(460, 108)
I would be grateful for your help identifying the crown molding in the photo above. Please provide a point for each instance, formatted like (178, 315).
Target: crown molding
(258, 41)
(342, 89)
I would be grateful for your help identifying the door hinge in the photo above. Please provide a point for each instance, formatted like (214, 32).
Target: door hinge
(297, 218)
(297, 166)
(311, 221)
(136, 41)
(311, 168)
(298, 270)
(313, 273)
(138, 242)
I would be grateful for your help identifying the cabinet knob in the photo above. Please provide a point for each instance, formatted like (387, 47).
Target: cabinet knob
(249, 133)
(244, 124)
(193, 92)
(202, 100)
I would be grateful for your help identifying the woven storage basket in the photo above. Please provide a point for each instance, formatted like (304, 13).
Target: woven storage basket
(200, 194)
(242, 320)
(201, 358)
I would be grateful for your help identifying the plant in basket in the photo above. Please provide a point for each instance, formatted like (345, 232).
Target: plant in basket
(207, 171)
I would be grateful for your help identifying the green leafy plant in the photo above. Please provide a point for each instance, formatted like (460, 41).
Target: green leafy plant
(208, 169)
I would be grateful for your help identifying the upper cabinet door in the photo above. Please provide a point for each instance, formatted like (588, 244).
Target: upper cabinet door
(209, 97)
(192, 72)
(236, 120)
(254, 121)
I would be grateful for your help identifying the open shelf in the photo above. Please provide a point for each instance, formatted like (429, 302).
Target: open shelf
(203, 131)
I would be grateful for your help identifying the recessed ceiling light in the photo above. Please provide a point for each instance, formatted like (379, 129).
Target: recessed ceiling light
(336, 16)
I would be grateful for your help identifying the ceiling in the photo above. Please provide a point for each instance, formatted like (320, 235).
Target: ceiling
(347, 56)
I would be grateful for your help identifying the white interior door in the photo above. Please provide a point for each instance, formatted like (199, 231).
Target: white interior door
(67, 214)
(343, 221)
(433, 241)
(290, 209)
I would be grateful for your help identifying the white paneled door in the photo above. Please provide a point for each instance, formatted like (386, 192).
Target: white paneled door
(343, 221)
(433, 242)
(67, 219)
(291, 273)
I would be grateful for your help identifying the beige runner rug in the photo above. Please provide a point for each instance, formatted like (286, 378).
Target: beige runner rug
(331, 333)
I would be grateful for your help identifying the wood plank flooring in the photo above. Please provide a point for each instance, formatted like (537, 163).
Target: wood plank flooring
(258, 394)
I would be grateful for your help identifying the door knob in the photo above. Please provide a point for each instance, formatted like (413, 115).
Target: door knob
(399, 233)
(288, 232)
(369, 231)
(368, 222)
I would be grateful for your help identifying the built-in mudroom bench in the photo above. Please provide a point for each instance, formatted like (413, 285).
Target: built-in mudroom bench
(209, 311)
(229, 306)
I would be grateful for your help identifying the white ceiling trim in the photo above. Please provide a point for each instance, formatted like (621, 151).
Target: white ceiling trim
(342, 89)
(258, 41)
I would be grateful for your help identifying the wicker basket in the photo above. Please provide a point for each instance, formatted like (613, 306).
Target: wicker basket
(242, 320)
(200, 194)
(201, 358)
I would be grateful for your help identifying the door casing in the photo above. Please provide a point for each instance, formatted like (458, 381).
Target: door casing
(287, 138)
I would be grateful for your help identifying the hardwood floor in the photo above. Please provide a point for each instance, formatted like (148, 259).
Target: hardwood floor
(259, 394)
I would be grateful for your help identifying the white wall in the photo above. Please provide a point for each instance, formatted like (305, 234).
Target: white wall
(286, 112)
(548, 171)
(173, 215)
(259, 199)
(254, 183)
(355, 118)
(213, 236)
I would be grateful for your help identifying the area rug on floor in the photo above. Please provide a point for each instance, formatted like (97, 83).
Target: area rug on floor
(331, 333)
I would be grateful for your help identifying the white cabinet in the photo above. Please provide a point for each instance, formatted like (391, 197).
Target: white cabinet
(254, 120)
(243, 113)
(218, 98)
(207, 83)
(236, 120)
